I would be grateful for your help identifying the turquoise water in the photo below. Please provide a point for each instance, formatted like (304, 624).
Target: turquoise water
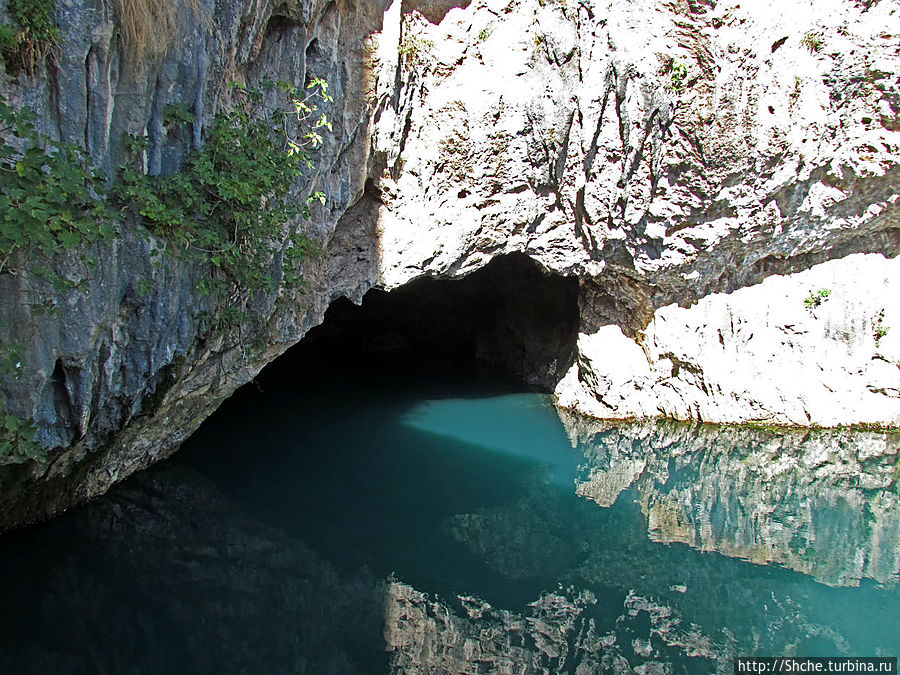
(455, 523)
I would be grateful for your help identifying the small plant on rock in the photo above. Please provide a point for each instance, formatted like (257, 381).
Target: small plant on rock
(415, 50)
(816, 298)
(678, 76)
(880, 330)
(16, 433)
(31, 35)
(813, 40)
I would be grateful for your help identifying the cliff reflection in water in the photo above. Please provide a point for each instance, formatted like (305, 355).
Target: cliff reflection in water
(619, 592)
(457, 526)
(822, 502)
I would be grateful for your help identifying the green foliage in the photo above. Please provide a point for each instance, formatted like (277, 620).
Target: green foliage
(11, 361)
(30, 37)
(415, 50)
(8, 38)
(816, 298)
(17, 436)
(228, 203)
(813, 40)
(144, 287)
(16, 433)
(225, 318)
(177, 115)
(880, 329)
(484, 34)
(50, 197)
(678, 76)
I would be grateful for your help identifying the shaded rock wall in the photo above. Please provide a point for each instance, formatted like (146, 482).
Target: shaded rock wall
(121, 371)
(509, 315)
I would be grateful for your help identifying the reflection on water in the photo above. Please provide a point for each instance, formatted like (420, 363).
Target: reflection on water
(165, 575)
(455, 525)
(821, 502)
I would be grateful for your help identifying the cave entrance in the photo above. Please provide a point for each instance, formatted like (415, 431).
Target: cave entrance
(510, 316)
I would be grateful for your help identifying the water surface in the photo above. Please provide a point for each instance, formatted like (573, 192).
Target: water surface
(453, 522)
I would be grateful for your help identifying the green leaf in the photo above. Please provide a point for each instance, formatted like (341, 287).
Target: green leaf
(69, 239)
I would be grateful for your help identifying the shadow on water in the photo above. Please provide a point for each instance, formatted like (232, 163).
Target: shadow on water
(165, 575)
(369, 474)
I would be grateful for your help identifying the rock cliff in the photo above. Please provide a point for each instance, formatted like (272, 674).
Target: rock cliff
(695, 164)
(120, 371)
(669, 154)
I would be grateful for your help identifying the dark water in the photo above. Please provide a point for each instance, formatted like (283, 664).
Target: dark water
(454, 523)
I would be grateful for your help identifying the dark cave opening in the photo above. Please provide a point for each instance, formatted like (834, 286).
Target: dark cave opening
(510, 316)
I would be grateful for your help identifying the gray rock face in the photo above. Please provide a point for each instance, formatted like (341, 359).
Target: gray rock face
(660, 153)
(121, 371)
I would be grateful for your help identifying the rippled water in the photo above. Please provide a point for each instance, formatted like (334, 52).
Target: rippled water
(458, 524)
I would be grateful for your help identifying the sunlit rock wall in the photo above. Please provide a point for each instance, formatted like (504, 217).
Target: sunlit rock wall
(666, 153)
(811, 348)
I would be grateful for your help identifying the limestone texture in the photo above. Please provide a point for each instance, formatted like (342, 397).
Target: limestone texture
(811, 348)
(667, 154)
(117, 374)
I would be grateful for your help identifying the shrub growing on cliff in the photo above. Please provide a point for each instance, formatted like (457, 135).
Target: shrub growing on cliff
(813, 41)
(676, 70)
(17, 437)
(879, 330)
(50, 197)
(31, 35)
(678, 77)
(415, 50)
(816, 298)
(16, 433)
(228, 204)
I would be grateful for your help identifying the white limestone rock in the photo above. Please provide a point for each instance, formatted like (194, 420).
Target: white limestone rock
(664, 153)
(759, 354)
(664, 138)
